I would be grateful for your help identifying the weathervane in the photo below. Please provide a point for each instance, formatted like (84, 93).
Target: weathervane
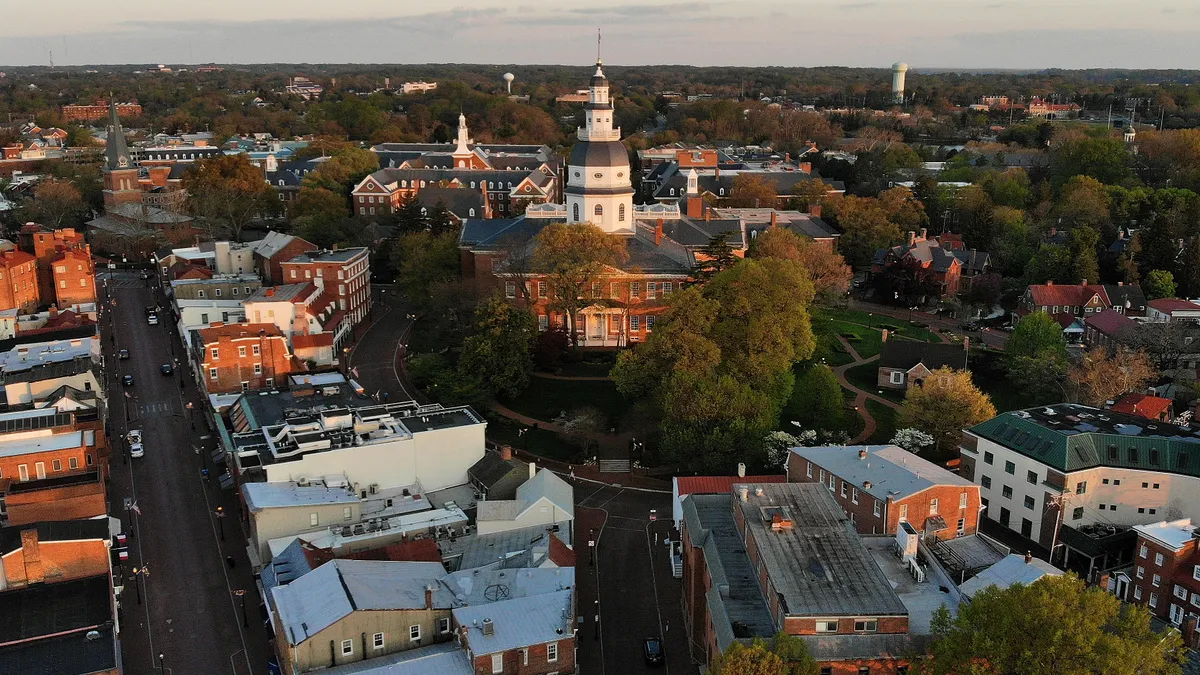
(597, 46)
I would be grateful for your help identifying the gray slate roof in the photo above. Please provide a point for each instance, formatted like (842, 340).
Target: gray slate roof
(904, 354)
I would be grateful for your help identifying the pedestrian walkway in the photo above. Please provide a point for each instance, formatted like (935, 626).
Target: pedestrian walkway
(860, 399)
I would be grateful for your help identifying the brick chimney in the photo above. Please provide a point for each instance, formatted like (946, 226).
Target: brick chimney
(33, 557)
(806, 167)
(429, 597)
(912, 237)
(271, 292)
(774, 218)
(814, 210)
(506, 452)
(658, 232)
(695, 206)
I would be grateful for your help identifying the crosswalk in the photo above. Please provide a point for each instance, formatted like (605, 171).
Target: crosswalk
(159, 408)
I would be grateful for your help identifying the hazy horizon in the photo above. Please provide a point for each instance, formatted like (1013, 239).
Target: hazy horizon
(930, 34)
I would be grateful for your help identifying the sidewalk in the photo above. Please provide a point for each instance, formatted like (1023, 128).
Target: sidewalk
(860, 400)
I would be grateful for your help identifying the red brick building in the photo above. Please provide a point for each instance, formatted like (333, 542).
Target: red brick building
(66, 497)
(98, 110)
(18, 282)
(74, 275)
(242, 357)
(1165, 576)
(783, 557)
(925, 265)
(55, 450)
(878, 486)
(344, 278)
(273, 250)
(528, 635)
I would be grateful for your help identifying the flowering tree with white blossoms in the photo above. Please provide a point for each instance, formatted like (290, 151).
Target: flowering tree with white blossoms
(912, 440)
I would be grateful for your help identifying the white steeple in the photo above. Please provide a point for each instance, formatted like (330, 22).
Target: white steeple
(597, 113)
(461, 150)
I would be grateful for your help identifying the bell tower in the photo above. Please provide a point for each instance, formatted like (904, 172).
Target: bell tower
(120, 176)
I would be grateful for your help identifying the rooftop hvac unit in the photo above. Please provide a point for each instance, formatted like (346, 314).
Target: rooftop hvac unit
(489, 628)
(302, 482)
(346, 531)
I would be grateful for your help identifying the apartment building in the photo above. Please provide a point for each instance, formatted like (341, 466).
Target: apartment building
(1165, 574)
(344, 279)
(1074, 466)
(18, 281)
(241, 357)
(881, 486)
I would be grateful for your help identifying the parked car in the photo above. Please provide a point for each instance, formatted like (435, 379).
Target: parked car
(127, 380)
(123, 354)
(152, 319)
(166, 369)
(134, 438)
(971, 327)
(652, 650)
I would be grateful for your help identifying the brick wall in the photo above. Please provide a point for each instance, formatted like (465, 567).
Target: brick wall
(18, 281)
(83, 456)
(71, 502)
(236, 359)
(531, 660)
(949, 506)
(74, 278)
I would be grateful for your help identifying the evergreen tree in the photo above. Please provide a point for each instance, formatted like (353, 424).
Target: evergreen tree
(716, 257)
(409, 217)
(441, 220)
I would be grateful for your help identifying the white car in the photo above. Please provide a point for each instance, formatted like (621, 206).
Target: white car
(134, 438)
(152, 319)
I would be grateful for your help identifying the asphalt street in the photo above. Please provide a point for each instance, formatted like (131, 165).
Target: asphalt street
(189, 612)
(376, 356)
(638, 597)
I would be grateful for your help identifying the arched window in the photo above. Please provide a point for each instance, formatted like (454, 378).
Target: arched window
(575, 212)
(621, 213)
(423, 211)
(461, 163)
(404, 183)
(599, 211)
(722, 192)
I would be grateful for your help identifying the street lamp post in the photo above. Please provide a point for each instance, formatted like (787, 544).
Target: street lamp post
(241, 593)
(220, 523)
(161, 659)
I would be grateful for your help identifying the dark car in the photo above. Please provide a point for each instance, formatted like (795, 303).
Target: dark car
(652, 650)
(123, 354)
(166, 369)
(971, 326)
(127, 380)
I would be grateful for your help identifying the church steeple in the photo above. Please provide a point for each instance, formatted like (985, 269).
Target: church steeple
(117, 152)
(464, 140)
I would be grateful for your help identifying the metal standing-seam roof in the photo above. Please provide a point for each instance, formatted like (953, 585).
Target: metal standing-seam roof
(1071, 437)
(891, 471)
(519, 622)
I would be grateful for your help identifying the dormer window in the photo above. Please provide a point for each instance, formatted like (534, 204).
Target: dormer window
(471, 212)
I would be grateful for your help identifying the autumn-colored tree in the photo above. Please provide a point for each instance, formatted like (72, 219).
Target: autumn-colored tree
(716, 257)
(903, 208)
(782, 655)
(342, 171)
(319, 202)
(1008, 631)
(866, 228)
(229, 192)
(1083, 201)
(944, 404)
(571, 257)
(752, 190)
(56, 203)
(1102, 375)
(828, 271)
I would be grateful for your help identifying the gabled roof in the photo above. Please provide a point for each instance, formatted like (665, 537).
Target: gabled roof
(1012, 569)
(1142, 405)
(491, 469)
(520, 622)
(1111, 324)
(1067, 295)
(462, 202)
(891, 472)
(904, 354)
(546, 484)
(1172, 305)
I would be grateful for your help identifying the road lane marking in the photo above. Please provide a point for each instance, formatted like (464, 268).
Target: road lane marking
(657, 608)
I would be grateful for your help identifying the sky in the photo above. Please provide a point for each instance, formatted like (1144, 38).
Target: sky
(1025, 34)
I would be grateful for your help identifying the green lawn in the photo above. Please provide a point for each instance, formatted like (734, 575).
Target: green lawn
(538, 441)
(908, 329)
(546, 399)
(869, 341)
(586, 368)
(865, 377)
(885, 422)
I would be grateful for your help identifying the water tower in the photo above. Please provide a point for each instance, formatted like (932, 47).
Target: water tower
(508, 80)
(898, 71)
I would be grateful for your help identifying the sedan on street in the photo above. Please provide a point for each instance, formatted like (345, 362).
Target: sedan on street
(652, 650)
(127, 380)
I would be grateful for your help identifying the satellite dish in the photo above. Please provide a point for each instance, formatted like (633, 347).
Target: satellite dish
(508, 80)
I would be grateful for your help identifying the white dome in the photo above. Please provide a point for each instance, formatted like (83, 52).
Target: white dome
(509, 77)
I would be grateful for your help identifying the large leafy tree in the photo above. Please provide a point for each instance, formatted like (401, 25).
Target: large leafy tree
(781, 655)
(424, 261)
(944, 404)
(1036, 354)
(499, 353)
(228, 191)
(715, 257)
(753, 190)
(571, 257)
(718, 364)
(1054, 626)
(866, 228)
(1159, 284)
(827, 270)
(56, 203)
(1102, 156)
(817, 402)
(1103, 375)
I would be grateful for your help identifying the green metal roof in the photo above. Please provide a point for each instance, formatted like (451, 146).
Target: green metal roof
(1072, 437)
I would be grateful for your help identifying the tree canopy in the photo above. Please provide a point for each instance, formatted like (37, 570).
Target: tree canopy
(1054, 626)
(571, 257)
(827, 270)
(229, 191)
(944, 404)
